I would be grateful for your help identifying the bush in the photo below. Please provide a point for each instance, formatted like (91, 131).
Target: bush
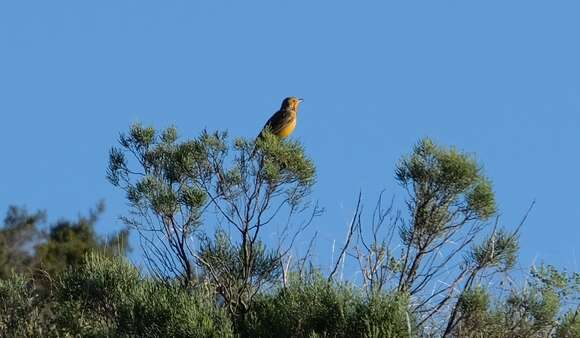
(570, 325)
(107, 297)
(384, 316)
(318, 308)
(23, 311)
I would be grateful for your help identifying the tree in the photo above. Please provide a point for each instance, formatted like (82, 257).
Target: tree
(68, 242)
(18, 236)
(444, 246)
(27, 248)
(187, 197)
(440, 269)
(546, 306)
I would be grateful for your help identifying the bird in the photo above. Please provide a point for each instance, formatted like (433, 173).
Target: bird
(283, 122)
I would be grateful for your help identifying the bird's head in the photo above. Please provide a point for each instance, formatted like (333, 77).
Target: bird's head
(291, 103)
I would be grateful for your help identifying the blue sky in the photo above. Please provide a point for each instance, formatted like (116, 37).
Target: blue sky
(500, 79)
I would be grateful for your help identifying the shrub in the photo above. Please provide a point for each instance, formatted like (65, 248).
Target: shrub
(318, 308)
(570, 325)
(108, 297)
(23, 311)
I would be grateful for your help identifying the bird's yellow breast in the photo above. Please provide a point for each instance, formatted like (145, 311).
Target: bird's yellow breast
(287, 129)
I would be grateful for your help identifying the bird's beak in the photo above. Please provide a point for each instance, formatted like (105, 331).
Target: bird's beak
(300, 100)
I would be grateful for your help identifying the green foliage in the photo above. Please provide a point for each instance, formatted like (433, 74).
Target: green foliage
(473, 307)
(174, 186)
(226, 260)
(313, 306)
(527, 313)
(566, 285)
(384, 315)
(446, 177)
(108, 297)
(450, 202)
(168, 166)
(316, 307)
(570, 325)
(68, 242)
(284, 161)
(26, 248)
(23, 310)
(498, 250)
(18, 236)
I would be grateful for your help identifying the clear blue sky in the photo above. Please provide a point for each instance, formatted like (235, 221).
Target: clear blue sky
(500, 79)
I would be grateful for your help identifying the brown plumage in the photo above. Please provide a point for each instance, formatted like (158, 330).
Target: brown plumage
(283, 122)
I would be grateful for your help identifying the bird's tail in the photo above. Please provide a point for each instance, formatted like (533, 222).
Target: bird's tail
(258, 138)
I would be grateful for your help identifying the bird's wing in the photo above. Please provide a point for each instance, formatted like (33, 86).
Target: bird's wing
(279, 120)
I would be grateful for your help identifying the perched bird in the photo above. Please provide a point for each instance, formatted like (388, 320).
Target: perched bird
(283, 122)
